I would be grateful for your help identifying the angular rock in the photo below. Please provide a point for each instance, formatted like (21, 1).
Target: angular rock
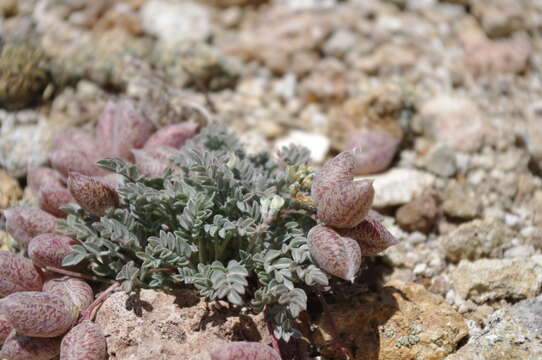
(440, 161)
(511, 333)
(495, 279)
(10, 191)
(474, 240)
(171, 326)
(453, 121)
(399, 186)
(461, 201)
(420, 214)
(401, 321)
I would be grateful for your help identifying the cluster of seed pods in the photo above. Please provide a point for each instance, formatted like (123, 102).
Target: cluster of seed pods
(349, 230)
(121, 132)
(40, 311)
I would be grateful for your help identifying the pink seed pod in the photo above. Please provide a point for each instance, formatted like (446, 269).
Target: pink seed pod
(338, 255)
(244, 350)
(340, 201)
(75, 139)
(17, 273)
(121, 128)
(39, 176)
(5, 329)
(93, 195)
(50, 249)
(52, 196)
(25, 222)
(66, 160)
(84, 342)
(173, 135)
(20, 347)
(347, 204)
(111, 180)
(75, 292)
(374, 151)
(335, 171)
(38, 314)
(371, 235)
(153, 161)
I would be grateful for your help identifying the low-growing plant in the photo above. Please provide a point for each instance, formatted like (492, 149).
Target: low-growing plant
(258, 232)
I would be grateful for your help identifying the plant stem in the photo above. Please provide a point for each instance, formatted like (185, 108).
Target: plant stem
(77, 275)
(274, 340)
(334, 333)
(88, 313)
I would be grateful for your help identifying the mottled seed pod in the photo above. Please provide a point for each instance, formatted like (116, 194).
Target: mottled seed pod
(18, 273)
(374, 151)
(50, 249)
(5, 328)
(66, 160)
(153, 161)
(341, 202)
(75, 139)
(38, 314)
(52, 197)
(244, 350)
(347, 204)
(371, 235)
(335, 171)
(92, 194)
(121, 128)
(20, 347)
(75, 292)
(338, 255)
(26, 222)
(84, 342)
(173, 135)
(39, 176)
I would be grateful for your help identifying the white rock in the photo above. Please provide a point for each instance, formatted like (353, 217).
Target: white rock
(399, 186)
(173, 22)
(317, 144)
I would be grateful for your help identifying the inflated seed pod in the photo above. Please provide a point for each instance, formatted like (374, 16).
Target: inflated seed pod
(121, 128)
(5, 328)
(85, 341)
(75, 139)
(66, 160)
(338, 255)
(92, 194)
(49, 249)
(371, 236)
(153, 161)
(26, 222)
(21, 347)
(38, 314)
(244, 350)
(174, 135)
(340, 201)
(52, 196)
(18, 273)
(38, 176)
(374, 151)
(75, 292)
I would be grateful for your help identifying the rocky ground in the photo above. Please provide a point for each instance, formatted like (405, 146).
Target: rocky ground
(458, 83)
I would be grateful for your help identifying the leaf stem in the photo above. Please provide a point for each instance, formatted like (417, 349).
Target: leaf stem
(88, 314)
(77, 274)
(274, 340)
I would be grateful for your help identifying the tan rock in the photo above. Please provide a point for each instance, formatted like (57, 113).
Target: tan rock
(401, 321)
(166, 326)
(420, 214)
(10, 191)
(494, 279)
